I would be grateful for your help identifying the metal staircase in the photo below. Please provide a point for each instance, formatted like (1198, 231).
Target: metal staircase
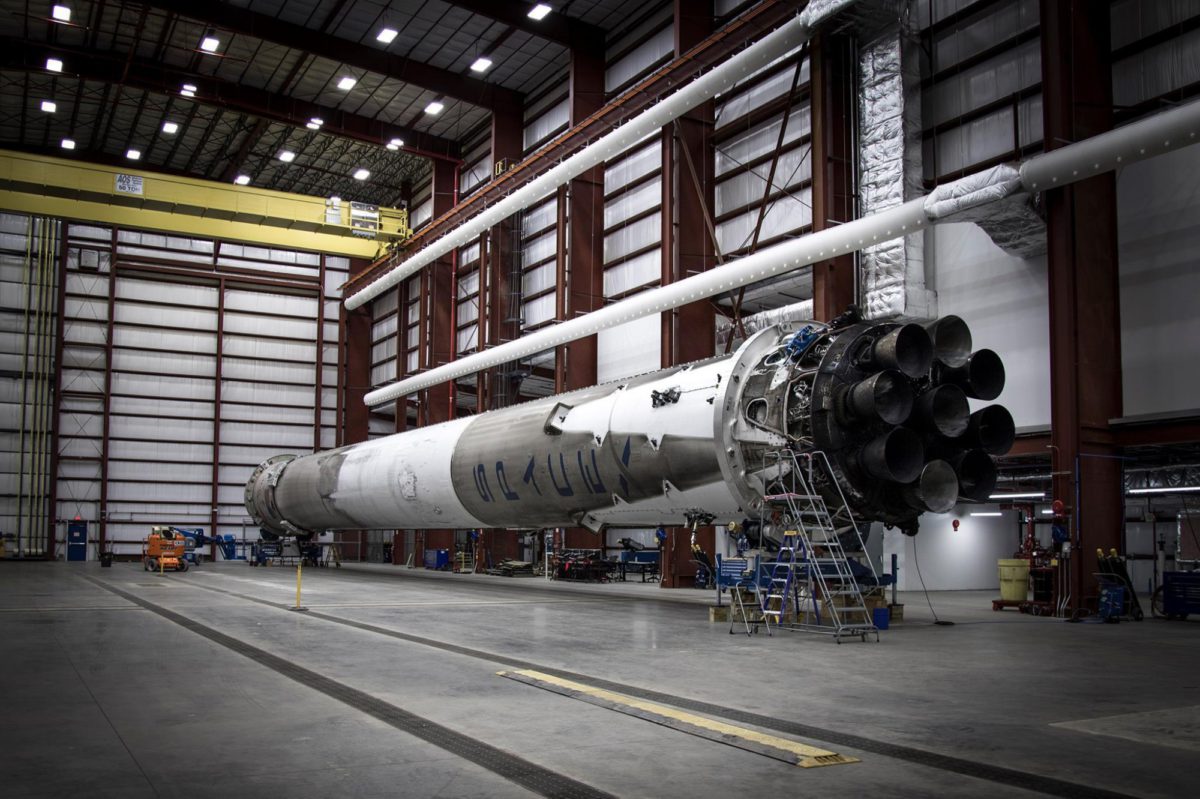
(812, 572)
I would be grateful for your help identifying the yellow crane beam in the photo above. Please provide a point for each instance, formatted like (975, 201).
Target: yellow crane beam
(36, 184)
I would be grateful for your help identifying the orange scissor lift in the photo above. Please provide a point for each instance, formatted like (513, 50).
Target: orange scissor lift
(164, 549)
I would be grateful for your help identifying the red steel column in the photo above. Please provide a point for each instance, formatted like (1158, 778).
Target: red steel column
(688, 332)
(437, 302)
(832, 59)
(1085, 318)
(585, 224)
(354, 380)
(499, 323)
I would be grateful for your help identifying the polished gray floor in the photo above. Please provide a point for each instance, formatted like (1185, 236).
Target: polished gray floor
(117, 682)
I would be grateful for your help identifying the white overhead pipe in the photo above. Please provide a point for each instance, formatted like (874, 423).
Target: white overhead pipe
(717, 80)
(1161, 133)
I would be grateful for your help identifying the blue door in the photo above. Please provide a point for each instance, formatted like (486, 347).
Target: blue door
(77, 540)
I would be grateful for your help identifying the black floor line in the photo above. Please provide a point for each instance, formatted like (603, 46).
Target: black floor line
(505, 764)
(971, 768)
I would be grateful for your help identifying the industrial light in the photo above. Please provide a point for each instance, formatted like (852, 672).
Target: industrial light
(347, 83)
(287, 156)
(395, 144)
(209, 44)
(1047, 512)
(386, 35)
(188, 90)
(435, 108)
(1163, 490)
(132, 154)
(987, 513)
(481, 64)
(315, 123)
(1025, 495)
(68, 144)
(54, 65)
(49, 106)
(170, 128)
(539, 11)
(361, 174)
(242, 180)
(61, 13)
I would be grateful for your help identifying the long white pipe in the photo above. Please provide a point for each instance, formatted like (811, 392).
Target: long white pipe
(1164, 132)
(717, 80)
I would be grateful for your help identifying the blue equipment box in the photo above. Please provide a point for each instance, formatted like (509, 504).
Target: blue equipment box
(437, 559)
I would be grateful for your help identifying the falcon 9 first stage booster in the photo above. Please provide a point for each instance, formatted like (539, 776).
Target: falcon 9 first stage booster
(887, 402)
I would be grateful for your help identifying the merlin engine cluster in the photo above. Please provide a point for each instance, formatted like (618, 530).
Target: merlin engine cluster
(887, 402)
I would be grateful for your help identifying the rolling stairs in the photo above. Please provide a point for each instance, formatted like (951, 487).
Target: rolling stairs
(810, 585)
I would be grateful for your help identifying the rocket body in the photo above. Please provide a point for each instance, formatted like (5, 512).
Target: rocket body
(680, 443)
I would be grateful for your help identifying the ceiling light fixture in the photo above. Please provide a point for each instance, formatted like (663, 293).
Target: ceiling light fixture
(387, 35)
(132, 154)
(1163, 490)
(242, 180)
(435, 108)
(481, 64)
(68, 144)
(539, 11)
(170, 128)
(286, 156)
(61, 13)
(361, 174)
(395, 144)
(347, 83)
(315, 123)
(54, 64)
(1025, 495)
(188, 90)
(987, 513)
(49, 106)
(209, 44)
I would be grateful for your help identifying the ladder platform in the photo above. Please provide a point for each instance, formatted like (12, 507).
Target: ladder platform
(790, 497)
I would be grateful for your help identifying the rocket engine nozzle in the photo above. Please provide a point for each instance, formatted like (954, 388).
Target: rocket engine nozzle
(981, 376)
(906, 349)
(897, 456)
(976, 474)
(951, 340)
(935, 490)
(991, 429)
(886, 397)
(944, 410)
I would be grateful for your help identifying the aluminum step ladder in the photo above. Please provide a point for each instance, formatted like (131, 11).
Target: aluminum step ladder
(813, 568)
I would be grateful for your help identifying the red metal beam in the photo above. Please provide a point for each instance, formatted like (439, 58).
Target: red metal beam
(438, 295)
(344, 51)
(585, 225)
(731, 38)
(1085, 345)
(354, 345)
(154, 76)
(833, 191)
(554, 27)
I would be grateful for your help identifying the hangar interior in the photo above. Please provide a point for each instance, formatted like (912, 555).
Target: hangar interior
(352, 291)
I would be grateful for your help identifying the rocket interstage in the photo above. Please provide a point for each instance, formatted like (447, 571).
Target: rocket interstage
(886, 402)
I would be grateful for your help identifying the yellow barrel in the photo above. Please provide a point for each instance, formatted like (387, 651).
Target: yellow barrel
(1014, 579)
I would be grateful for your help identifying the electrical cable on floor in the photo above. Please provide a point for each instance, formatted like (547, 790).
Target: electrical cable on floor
(917, 563)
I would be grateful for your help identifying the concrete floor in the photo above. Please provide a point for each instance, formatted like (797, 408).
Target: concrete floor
(116, 682)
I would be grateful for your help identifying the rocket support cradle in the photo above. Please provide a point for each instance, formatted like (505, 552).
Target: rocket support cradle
(886, 402)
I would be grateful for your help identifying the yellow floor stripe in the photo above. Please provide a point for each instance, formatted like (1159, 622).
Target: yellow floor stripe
(801, 754)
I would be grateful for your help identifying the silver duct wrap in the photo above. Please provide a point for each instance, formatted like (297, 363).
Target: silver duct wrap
(889, 148)
(995, 200)
(726, 329)
(1163, 477)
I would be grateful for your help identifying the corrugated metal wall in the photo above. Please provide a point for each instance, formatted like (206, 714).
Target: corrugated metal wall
(185, 363)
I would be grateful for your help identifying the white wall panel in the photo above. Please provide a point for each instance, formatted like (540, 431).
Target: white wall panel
(268, 435)
(1005, 301)
(271, 326)
(246, 369)
(164, 362)
(1158, 204)
(250, 347)
(632, 237)
(634, 272)
(174, 293)
(639, 60)
(179, 341)
(155, 385)
(136, 427)
(629, 349)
